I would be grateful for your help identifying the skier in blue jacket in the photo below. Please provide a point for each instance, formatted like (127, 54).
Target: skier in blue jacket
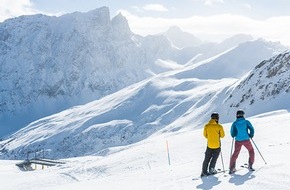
(242, 130)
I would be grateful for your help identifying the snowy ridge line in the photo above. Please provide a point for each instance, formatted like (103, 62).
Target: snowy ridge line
(91, 56)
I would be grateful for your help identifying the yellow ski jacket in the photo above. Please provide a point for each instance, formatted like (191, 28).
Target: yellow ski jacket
(213, 132)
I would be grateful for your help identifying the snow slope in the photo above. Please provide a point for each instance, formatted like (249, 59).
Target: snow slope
(236, 61)
(49, 64)
(264, 89)
(144, 165)
(122, 118)
(172, 101)
(119, 141)
(209, 49)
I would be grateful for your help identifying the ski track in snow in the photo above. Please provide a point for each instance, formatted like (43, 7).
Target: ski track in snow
(144, 165)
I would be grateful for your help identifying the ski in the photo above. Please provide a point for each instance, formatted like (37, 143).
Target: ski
(246, 166)
(218, 172)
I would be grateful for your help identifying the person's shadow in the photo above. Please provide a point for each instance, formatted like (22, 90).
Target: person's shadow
(241, 179)
(208, 183)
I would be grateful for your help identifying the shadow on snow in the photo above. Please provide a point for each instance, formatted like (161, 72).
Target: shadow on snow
(208, 183)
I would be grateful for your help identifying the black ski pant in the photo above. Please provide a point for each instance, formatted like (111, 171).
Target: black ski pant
(211, 156)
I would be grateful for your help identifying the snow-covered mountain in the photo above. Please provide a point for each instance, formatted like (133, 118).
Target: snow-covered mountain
(235, 40)
(119, 119)
(119, 139)
(170, 102)
(236, 61)
(48, 64)
(266, 87)
(180, 38)
(207, 50)
(194, 50)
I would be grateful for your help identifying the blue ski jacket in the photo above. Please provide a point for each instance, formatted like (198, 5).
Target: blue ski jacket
(242, 129)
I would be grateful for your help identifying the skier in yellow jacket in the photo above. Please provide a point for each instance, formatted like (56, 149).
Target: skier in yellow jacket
(212, 132)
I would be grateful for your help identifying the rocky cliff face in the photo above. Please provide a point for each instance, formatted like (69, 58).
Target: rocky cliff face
(265, 88)
(48, 63)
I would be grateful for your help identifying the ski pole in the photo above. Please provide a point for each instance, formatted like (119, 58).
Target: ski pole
(258, 151)
(222, 156)
(231, 151)
(222, 161)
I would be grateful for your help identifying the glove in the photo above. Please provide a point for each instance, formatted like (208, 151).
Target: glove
(251, 135)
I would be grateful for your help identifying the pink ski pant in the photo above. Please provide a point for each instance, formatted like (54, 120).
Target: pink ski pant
(238, 146)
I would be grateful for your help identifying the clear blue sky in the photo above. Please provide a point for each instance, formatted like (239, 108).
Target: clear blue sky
(207, 19)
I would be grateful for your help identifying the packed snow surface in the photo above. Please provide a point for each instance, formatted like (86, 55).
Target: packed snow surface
(145, 165)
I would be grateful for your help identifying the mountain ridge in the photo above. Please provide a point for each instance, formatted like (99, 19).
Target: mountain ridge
(267, 82)
(49, 64)
(162, 104)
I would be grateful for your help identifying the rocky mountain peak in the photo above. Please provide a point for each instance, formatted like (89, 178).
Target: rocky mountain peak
(120, 26)
(268, 81)
(48, 64)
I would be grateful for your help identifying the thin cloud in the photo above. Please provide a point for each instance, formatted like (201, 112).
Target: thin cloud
(155, 7)
(214, 28)
(14, 8)
(247, 5)
(212, 2)
(137, 9)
